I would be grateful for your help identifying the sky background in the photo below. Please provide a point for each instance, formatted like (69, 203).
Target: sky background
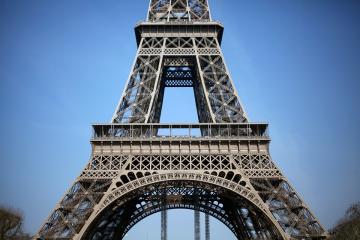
(63, 66)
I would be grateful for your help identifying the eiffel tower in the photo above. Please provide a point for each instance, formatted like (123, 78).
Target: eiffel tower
(220, 166)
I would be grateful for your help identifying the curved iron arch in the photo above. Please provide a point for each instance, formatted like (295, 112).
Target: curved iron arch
(121, 195)
(212, 206)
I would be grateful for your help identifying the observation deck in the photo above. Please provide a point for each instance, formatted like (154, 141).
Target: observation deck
(173, 132)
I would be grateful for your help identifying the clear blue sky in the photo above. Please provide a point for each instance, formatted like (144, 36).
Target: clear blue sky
(63, 66)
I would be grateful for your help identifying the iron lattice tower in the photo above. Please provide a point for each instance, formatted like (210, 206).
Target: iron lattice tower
(220, 166)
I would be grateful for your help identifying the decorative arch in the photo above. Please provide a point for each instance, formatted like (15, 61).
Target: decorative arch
(121, 208)
(202, 208)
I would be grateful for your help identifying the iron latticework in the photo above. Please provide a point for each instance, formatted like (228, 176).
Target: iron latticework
(220, 166)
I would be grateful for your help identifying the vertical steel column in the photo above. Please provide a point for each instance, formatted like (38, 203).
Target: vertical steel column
(164, 217)
(207, 227)
(196, 225)
(164, 224)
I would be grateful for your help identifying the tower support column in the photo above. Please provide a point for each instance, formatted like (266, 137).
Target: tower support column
(207, 227)
(164, 225)
(196, 225)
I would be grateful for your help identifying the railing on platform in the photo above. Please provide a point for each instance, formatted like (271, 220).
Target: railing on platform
(103, 132)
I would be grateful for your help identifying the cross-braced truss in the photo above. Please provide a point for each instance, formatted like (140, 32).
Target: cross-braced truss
(180, 61)
(221, 166)
(179, 10)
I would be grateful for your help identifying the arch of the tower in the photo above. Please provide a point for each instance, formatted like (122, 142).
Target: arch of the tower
(231, 204)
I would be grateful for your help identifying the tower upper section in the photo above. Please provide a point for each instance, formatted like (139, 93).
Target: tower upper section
(179, 11)
(179, 18)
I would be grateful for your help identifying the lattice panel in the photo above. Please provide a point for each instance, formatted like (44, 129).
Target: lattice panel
(152, 42)
(206, 42)
(208, 51)
(179, 42)
(257, 165)
(107, 162)
(150, 51)
(109, 166)
(178, 62)
(135, 102)
(179, 83)
(179, 51)
(179, 10)
(180, 162)
(221, 93)
(104, 166)
(178, 73)
(98, 174)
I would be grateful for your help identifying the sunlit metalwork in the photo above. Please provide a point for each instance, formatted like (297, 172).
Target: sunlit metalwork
(220, 166)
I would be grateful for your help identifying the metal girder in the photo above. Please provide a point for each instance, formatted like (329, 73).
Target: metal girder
(196, 224)
(207, 227)
(164, 224)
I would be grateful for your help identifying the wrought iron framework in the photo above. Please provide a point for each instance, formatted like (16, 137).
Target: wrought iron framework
(220, 166)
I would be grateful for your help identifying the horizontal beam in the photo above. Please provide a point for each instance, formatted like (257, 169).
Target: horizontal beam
(197, 29)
